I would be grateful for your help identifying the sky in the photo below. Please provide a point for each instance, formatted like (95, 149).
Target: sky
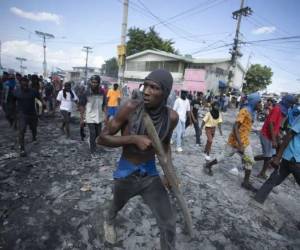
(202, 28)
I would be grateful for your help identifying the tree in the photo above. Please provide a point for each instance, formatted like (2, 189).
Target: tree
(110, 67)
(140, 40)
(258, 77)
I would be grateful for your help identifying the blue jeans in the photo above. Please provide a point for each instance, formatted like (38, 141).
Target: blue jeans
(178, 133)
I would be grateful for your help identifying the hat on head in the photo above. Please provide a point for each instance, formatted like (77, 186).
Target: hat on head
(163, 78)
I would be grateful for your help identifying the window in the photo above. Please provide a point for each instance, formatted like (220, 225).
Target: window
(219, 71)
(136, 66)
(171, 66)
(152, 65)
(196, 66)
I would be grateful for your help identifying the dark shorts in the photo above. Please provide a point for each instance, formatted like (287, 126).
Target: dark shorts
(66, 115)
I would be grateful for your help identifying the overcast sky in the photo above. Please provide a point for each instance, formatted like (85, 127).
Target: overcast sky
(198, 27)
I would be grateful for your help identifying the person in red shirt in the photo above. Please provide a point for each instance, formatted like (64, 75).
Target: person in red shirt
(269, 134)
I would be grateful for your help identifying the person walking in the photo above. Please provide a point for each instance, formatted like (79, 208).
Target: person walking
(211, 120)
(269, 134)
(27, 116)
(196, 104)
(136, 172)
(239, 140)
(286, 162)
(65, 98)
(113, 101)
(183, 108)
(91, 107)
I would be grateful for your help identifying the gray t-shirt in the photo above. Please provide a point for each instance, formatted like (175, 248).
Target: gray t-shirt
(93, 108)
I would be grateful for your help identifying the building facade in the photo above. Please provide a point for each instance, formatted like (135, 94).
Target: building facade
(194, 74)
(77, 75)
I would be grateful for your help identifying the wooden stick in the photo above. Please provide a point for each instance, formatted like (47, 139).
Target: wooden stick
(168, 170)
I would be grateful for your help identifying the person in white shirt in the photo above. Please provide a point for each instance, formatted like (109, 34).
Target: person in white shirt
(66, 97)
(91, 106)
(183, 108)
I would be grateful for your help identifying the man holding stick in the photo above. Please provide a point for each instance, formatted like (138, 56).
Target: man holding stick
(136, 172)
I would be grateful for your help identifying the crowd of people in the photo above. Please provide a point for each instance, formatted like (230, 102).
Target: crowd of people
(25, 98)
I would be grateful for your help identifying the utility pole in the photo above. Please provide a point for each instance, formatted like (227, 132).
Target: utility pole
(87, 50)
(122, 46)
(44, 36)
(21, 60)
(235, 52)
(22, 69)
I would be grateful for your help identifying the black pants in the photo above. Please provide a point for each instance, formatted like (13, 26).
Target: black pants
(154, 195)
(277, 177)
(197, 132)
(95, 129)
(24, 121)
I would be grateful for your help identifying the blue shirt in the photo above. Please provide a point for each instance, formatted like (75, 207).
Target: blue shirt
(126, 168)
(293, 149)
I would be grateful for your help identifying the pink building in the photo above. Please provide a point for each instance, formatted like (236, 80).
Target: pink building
(192, 74)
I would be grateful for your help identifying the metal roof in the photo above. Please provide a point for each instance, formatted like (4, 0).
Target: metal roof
(183, 58)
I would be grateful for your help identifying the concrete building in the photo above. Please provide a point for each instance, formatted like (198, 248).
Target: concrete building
(78, 74)
(195, 74)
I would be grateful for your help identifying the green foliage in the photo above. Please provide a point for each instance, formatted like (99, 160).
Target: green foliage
(258, 77)
(110, 67)
(140, 40)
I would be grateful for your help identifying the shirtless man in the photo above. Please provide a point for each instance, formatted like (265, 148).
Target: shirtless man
(136, 173)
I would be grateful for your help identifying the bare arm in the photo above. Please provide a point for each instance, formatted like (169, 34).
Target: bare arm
(273, 136)
(202, 126)
(81, 111)
(190, 118)
(220, 128)
(286, 140)
(109, 138)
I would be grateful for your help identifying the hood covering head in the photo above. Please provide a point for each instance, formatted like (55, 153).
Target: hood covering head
(252, 100)
(286, 102)
(160, 115)
(164, 79)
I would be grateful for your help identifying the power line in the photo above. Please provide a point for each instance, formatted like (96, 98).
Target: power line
(171, 28)
(193, 9)
(278, 65)
(208, 47)
(268, 21)
(144, 10)
(164, 24)
(274, 39)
